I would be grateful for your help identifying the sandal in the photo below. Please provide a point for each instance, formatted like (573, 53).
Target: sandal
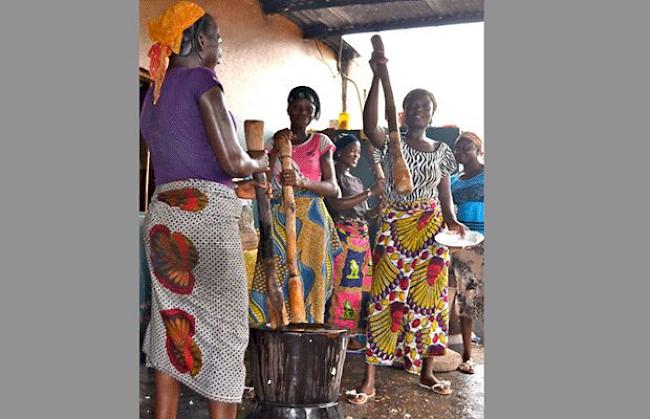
(356, 339)
(467, 367)
(442, 387)
(364, 397)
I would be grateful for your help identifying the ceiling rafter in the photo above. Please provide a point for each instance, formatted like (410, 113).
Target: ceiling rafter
(288, 6)
(321, 30)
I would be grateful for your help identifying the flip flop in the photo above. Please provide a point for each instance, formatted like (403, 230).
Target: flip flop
(360, 350)
(467, 367)
(442, 387)
(364, 397)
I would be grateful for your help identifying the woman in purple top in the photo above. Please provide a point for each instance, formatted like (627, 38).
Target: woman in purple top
(198, 331)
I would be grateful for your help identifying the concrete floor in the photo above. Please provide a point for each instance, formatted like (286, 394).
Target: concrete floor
(398, 395)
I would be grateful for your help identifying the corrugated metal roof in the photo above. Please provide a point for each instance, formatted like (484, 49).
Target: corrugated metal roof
(328, 20)
(324, 18)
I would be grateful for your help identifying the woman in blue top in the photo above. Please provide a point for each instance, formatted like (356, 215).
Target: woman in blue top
(467, 264)
(467, 186)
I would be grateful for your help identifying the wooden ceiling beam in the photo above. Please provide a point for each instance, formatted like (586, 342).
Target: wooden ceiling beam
(288, 6)
(322, 31)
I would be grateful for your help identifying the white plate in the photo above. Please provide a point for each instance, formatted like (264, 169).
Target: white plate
(449, 239)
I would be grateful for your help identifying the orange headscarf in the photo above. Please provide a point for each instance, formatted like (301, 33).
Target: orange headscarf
(167, 33)
(468, 135)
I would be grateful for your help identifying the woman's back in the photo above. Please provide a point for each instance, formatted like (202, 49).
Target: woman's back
(174, 130)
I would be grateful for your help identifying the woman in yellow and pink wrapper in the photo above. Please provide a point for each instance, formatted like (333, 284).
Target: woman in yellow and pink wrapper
(312, 177)
(352, 268)
(409, 313)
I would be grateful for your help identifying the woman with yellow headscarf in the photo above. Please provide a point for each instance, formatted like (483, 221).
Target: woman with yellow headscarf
(198, 331)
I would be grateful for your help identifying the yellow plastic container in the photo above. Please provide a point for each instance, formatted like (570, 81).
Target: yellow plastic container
(344, 121)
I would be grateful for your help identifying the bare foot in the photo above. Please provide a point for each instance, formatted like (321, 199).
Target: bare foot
(467, 367)
(354, 345)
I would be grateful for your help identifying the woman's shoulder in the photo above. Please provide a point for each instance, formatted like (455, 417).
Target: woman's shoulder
(342, 179)
(201, 72)
(322, 138)
(461, 178)
(322, 142)
(203, 79)
(347, 178)
(440, 146)
(445, 158)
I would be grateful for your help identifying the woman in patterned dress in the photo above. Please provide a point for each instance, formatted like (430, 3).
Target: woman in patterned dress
(313, 179)
(198, 331)
(409, 314)
(352, 276)
(466, 273)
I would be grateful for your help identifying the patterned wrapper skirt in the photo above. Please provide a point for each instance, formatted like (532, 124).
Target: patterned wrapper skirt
(318, 244)
(409, 307)
(466, 274)
(198, 331)
(352, 277)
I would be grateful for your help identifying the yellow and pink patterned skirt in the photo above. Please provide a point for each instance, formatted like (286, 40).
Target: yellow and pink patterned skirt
(352, 278)
(409, 307)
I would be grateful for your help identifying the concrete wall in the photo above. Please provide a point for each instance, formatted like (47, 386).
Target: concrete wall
(264, 57)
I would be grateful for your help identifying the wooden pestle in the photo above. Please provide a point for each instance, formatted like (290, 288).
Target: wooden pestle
(254, 132)
(401, 173)
(296, 290)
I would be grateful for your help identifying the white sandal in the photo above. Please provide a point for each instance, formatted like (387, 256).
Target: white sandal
(364, 397)
(442, 387)
(467, 367)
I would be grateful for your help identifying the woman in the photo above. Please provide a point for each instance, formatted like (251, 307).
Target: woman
(352, 277)
(467, 264)
(409, 306)
(312, 177)
(198, 331)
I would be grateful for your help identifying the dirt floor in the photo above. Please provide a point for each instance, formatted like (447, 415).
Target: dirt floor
(398, 395)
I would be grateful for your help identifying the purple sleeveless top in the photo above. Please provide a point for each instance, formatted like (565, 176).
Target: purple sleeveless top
(173, 128)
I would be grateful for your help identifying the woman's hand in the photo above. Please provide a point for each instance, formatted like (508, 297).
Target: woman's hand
(456, 227)
(376, 60)
(378, 189)
(261, 159)
(263, 163)
(247, 189)
(293, 177)
(284, 134)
